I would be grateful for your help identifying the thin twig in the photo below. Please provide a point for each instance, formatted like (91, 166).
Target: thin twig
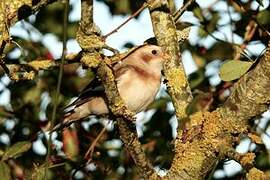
(126, 21)
(261, 27)
(179, 12)
(91, 149)
(250, 31)
(56, 97)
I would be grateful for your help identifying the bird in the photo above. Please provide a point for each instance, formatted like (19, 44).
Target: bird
(138, 79)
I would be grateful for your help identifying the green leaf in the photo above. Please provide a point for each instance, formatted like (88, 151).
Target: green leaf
(233, 69)
(264, 17)
(202, 33)
(4, 171)
(16, 150)
(198, 14)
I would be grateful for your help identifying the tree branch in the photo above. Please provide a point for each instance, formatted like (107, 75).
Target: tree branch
(181, 11)
(92, 43)
(254, 173)
(132, 144)
(251, 96)
(11, 12)
(29, 70)
(124, 120)
(2, 63)
(59, 81)
(126, 21)
(166, 35)
(209, 133)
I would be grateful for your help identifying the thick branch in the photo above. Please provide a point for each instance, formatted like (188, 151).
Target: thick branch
(86, 22)
(216, 131)
(91, 43)
(196, 150)
(124, 122)
(251, 94)
(133, 146)
(116, 103)
(29, 70)
(256, 174)
(165, 32)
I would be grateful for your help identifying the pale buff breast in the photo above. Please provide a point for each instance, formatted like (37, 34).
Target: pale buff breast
(139, 92)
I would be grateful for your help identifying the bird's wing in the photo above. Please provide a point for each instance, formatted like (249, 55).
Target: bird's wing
(93, 89)
(119, 70)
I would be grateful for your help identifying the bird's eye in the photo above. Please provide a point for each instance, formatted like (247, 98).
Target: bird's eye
(154, 52)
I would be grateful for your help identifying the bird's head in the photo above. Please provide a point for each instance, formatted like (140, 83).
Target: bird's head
(151, 56)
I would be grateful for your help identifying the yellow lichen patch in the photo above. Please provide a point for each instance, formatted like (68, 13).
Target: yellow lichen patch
(22, 76)
(183, 34)
(10, 8)
(177, 79)
(28, 75)
(41, 64)
(196, 119)
(91, 60)
(71, 56)
(255, 138)
(14, 77)
(247, 159)
(2, 18)
(180, 109)
(185, 159)
(212, 125)
(13, 67)
(256, 174)
(90, 42)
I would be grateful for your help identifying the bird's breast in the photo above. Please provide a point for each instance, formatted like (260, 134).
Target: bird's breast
(137, 92)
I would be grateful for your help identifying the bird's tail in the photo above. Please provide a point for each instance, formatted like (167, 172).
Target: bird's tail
(72, 115)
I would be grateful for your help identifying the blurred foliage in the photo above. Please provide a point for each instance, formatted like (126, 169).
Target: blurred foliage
(29, 110)
(49, 20)
(123, 7)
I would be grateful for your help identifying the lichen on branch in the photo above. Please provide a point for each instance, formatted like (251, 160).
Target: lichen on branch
(92, 44)
(212, 136)
(175, 77)
(251, 94)
(11, 12)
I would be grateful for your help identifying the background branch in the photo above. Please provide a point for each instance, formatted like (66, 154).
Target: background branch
(59, 81)
(181, 11)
